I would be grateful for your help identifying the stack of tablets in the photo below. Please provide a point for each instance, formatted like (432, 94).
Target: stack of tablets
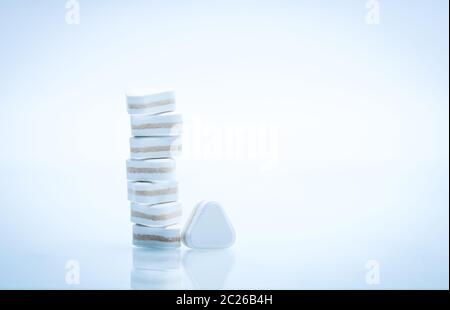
(152, 188)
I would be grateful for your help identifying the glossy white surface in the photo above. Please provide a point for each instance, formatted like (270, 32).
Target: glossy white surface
(388, 214)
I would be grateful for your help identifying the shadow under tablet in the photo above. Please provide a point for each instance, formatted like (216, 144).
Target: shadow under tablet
(161, 269)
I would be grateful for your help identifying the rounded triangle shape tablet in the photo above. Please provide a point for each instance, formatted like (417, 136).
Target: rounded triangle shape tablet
(208, 227)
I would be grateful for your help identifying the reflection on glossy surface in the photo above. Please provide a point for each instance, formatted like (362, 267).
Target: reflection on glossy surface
(156, 259)
(156, 269)
(160, 269)
(144, 279)
(208, 269)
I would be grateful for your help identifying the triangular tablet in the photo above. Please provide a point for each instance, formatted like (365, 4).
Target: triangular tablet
(208, 227)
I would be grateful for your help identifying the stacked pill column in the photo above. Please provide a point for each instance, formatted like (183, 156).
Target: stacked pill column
(152, 186)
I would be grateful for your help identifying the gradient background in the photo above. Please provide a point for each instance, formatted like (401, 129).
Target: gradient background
(362, 118)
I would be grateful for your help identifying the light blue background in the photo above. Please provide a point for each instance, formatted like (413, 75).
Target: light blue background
(363, 118)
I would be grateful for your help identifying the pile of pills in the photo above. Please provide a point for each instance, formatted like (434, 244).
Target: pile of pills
(152, 187)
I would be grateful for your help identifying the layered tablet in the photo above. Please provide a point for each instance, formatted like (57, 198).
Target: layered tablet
(161, 169)
(156, 215)
(169, 124)
(167, 237)
(152, 193)
(154, 147)
(150, 101)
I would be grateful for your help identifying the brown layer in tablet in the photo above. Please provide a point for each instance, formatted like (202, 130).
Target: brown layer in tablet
(155, 238)
(161, 148)
(156, 192)
(151, 104)
(160, 125)
(156, 217)
(150, 170)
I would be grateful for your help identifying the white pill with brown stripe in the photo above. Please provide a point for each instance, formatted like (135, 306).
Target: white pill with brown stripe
(156, 215)
(160, 169)
(153, 193)
(154, 147)
(167, 237)
(168, 124)
(150, 101)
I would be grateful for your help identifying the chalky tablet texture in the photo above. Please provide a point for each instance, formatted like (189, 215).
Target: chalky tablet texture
(161, 169)
(169, 124)
(154, 147)
(156, 215)
(150, 102)
(208, 227)
(163, 237)
(153, 193)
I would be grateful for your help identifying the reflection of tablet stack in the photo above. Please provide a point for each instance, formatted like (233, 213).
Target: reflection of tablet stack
(152, 188)
(156, 269)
